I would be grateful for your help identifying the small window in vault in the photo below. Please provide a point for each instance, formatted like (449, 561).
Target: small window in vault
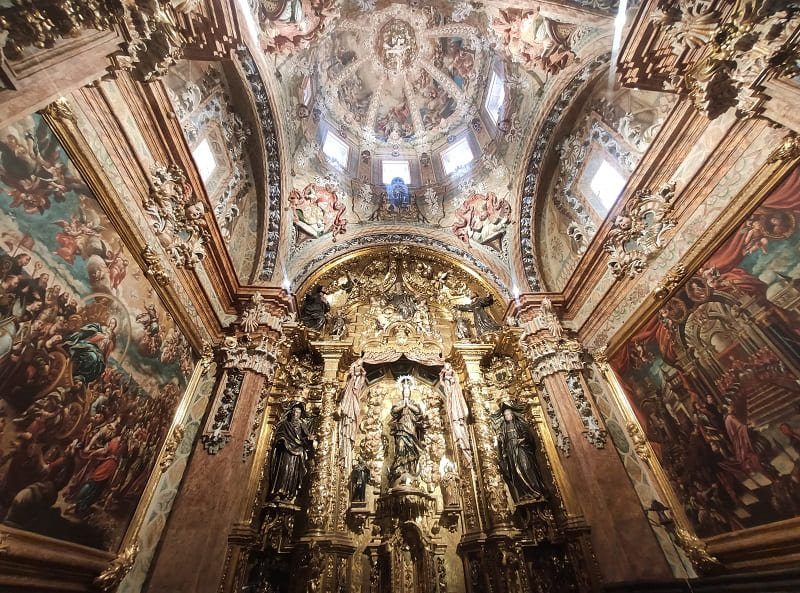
(336, 149)
(204, 159)
(393, 169)
(607, 184)
(457, 156)
(496, 97)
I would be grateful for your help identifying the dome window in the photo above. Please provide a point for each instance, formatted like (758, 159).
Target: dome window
(336, 150)
(457, 156)
(390, 170)
(496, 97)
(607, 184)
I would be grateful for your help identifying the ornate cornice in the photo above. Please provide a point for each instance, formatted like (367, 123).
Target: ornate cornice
(718, 54)
(401, 238)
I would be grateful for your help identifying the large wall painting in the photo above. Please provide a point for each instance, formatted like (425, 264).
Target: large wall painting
(91, 365)
(714, 376)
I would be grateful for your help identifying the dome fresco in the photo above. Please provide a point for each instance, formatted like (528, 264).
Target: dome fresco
(411, 118)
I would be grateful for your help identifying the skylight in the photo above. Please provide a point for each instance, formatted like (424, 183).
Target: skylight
(393, 169)
(458, 155)
(204, 159)
(496, 97)
(336, 149)
(607, 184)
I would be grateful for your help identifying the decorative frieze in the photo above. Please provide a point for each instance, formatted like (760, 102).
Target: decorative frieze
(546, 357)
(218, 434)
(592, 431)
(241, 357)
(638, 231)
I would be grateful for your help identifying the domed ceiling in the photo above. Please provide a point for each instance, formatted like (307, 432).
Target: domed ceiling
(410, 122)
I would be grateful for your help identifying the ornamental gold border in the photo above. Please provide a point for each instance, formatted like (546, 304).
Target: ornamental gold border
(178, 419)
(413, 249)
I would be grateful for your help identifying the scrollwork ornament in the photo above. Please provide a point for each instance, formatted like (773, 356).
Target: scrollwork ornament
(788, 150)
(697, 551)
(670, 282)
(733, 56)
(206, 357)
(600, 357)
(60, 110)
(153, 266)
(177, 216)
(120, 566)
(592, 431)
(639, 441)
(171, 447)
(638, 231)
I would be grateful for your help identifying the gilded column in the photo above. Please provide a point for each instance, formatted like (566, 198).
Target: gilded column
(324, 475)
(498, 513)
(326, 550)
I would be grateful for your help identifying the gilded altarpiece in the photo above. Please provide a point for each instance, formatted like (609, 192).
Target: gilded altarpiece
(382, 471)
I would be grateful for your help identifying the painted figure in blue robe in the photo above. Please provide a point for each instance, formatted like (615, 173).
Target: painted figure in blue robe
(89, 349)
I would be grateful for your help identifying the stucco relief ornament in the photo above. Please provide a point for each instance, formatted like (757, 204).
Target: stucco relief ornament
(317, 210)
(177, 216)
(688, 24)
(638, 232)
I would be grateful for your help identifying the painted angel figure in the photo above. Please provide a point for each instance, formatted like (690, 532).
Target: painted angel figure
(89, 349)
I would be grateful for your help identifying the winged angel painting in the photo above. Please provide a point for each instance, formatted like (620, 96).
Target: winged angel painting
(91, 365)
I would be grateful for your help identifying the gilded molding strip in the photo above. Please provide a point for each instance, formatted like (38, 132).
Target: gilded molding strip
(684, 535)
